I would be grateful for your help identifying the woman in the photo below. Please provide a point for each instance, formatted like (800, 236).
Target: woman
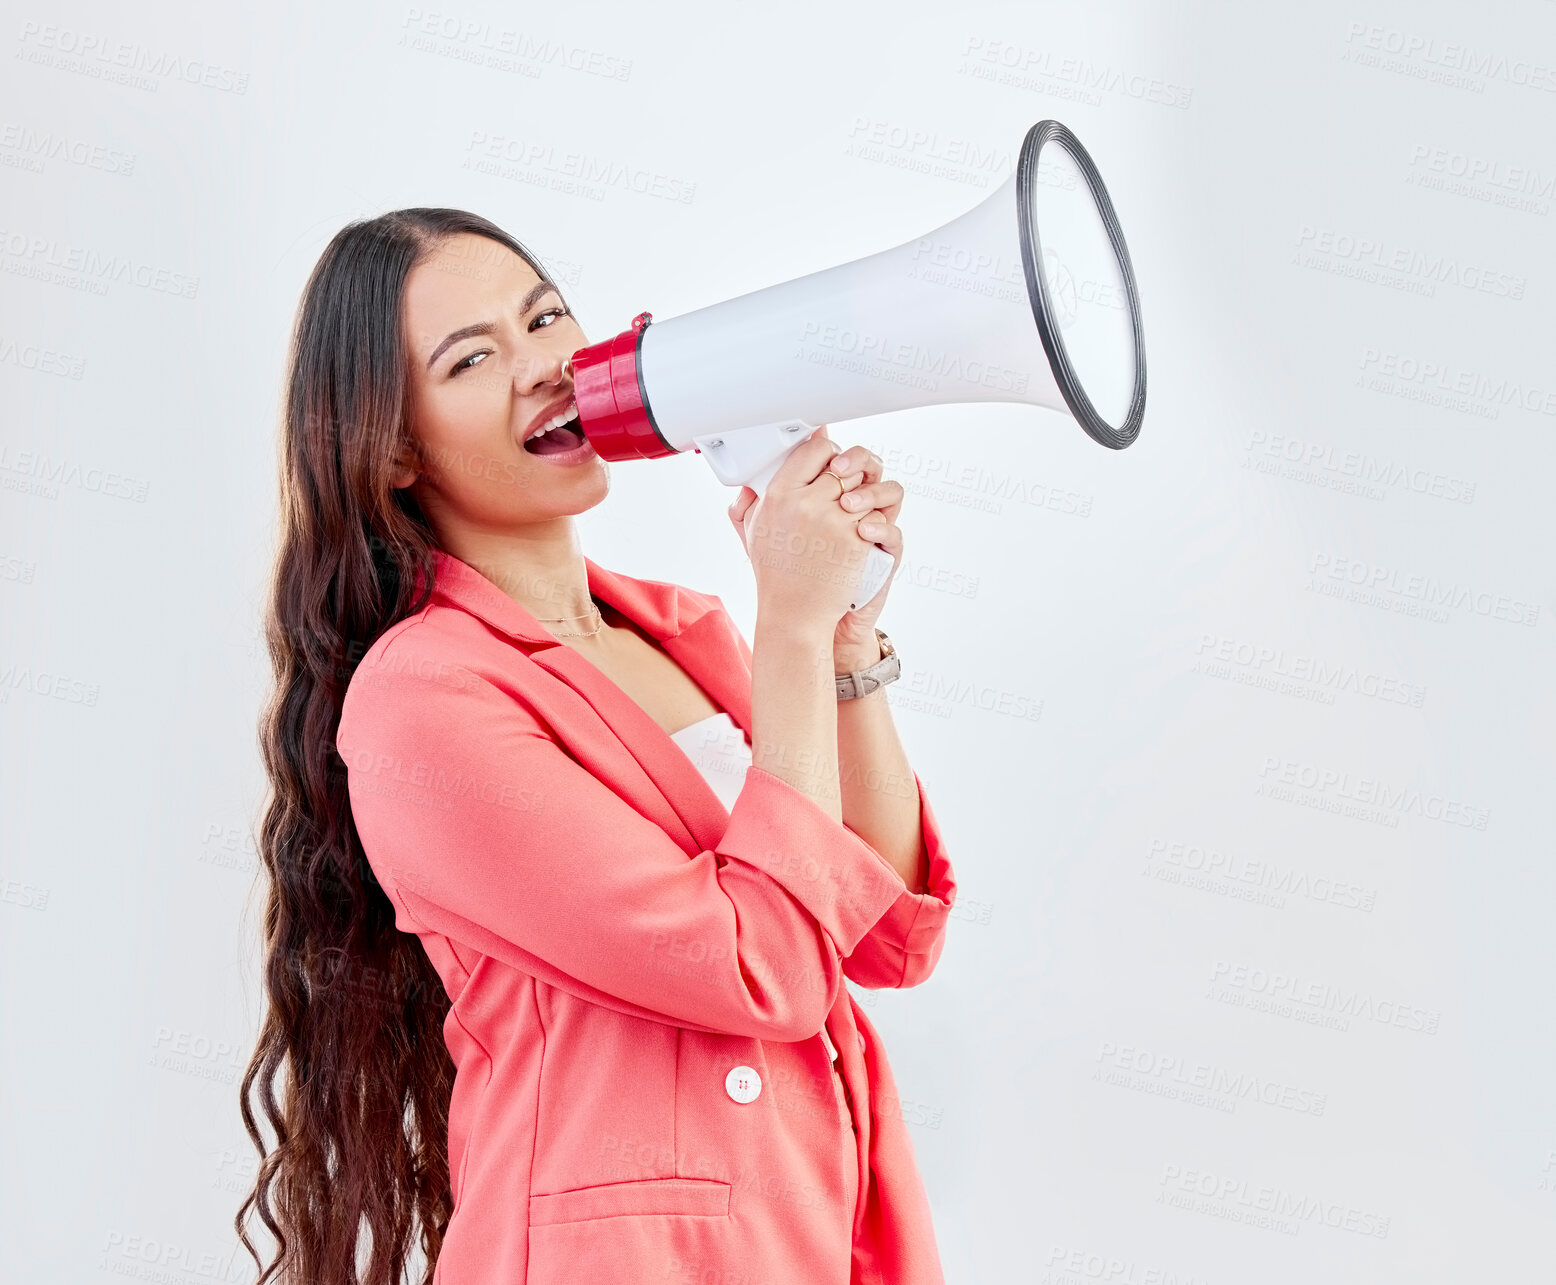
(542, 1001)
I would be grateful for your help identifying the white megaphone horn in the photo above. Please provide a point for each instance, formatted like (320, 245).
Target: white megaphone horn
(1028, 297)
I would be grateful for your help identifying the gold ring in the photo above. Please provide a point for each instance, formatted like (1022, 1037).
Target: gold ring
(844, 489)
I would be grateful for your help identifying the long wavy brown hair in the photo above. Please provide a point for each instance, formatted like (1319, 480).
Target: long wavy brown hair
(350, 1070)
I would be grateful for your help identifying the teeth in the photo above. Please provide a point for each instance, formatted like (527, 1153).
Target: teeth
(566, 417)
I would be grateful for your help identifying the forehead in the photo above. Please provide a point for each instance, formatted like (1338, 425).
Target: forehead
(468, 278)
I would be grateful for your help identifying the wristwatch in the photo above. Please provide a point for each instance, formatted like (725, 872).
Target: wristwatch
(861, 682)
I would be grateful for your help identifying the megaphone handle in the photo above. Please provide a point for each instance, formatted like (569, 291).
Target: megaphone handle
(877, 570)
(877, 564)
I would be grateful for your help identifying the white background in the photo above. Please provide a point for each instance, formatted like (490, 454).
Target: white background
(1203, 624)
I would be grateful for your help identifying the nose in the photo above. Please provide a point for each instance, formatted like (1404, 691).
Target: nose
(542, 372)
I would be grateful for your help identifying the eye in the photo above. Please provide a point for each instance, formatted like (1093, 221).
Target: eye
(465, 362)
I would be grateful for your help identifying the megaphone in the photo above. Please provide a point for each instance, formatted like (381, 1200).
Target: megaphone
(1029, 297)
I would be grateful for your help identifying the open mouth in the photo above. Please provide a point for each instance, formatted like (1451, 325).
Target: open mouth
(561, 435)
(557, 437)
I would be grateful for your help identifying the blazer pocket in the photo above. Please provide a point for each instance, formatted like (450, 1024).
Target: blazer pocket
(696, 1197)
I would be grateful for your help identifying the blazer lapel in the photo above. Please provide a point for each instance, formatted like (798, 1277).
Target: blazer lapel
(707, 646)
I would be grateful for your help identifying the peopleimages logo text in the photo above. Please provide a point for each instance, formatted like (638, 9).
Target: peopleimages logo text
(933, 363)
(1427, 589)
(1404, 259)
(1293, 989)
(1367, 790)
(1446, 378)
(1452, 56)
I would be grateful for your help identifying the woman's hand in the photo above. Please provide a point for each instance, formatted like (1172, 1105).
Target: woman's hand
(874, 504)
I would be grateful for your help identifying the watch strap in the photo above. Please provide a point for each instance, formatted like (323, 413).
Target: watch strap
(861, 682)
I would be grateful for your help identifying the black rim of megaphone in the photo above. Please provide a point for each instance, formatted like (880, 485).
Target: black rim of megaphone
(1037, 286)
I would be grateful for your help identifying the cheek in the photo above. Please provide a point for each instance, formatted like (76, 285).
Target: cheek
(469, 407)
(467, 438)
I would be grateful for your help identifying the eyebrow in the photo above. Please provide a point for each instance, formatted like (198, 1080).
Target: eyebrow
(536, 291)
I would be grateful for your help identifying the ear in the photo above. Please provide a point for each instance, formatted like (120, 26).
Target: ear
(404, 470)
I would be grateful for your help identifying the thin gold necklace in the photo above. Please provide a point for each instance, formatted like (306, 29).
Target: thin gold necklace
(557, 620)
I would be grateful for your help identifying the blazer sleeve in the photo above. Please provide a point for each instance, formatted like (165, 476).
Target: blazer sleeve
(481, 827)
(903, 946)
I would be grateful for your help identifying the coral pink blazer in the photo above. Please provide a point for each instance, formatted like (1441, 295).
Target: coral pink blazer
(639, 977)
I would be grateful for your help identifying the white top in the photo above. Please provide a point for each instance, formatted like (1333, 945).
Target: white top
(718, 748)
